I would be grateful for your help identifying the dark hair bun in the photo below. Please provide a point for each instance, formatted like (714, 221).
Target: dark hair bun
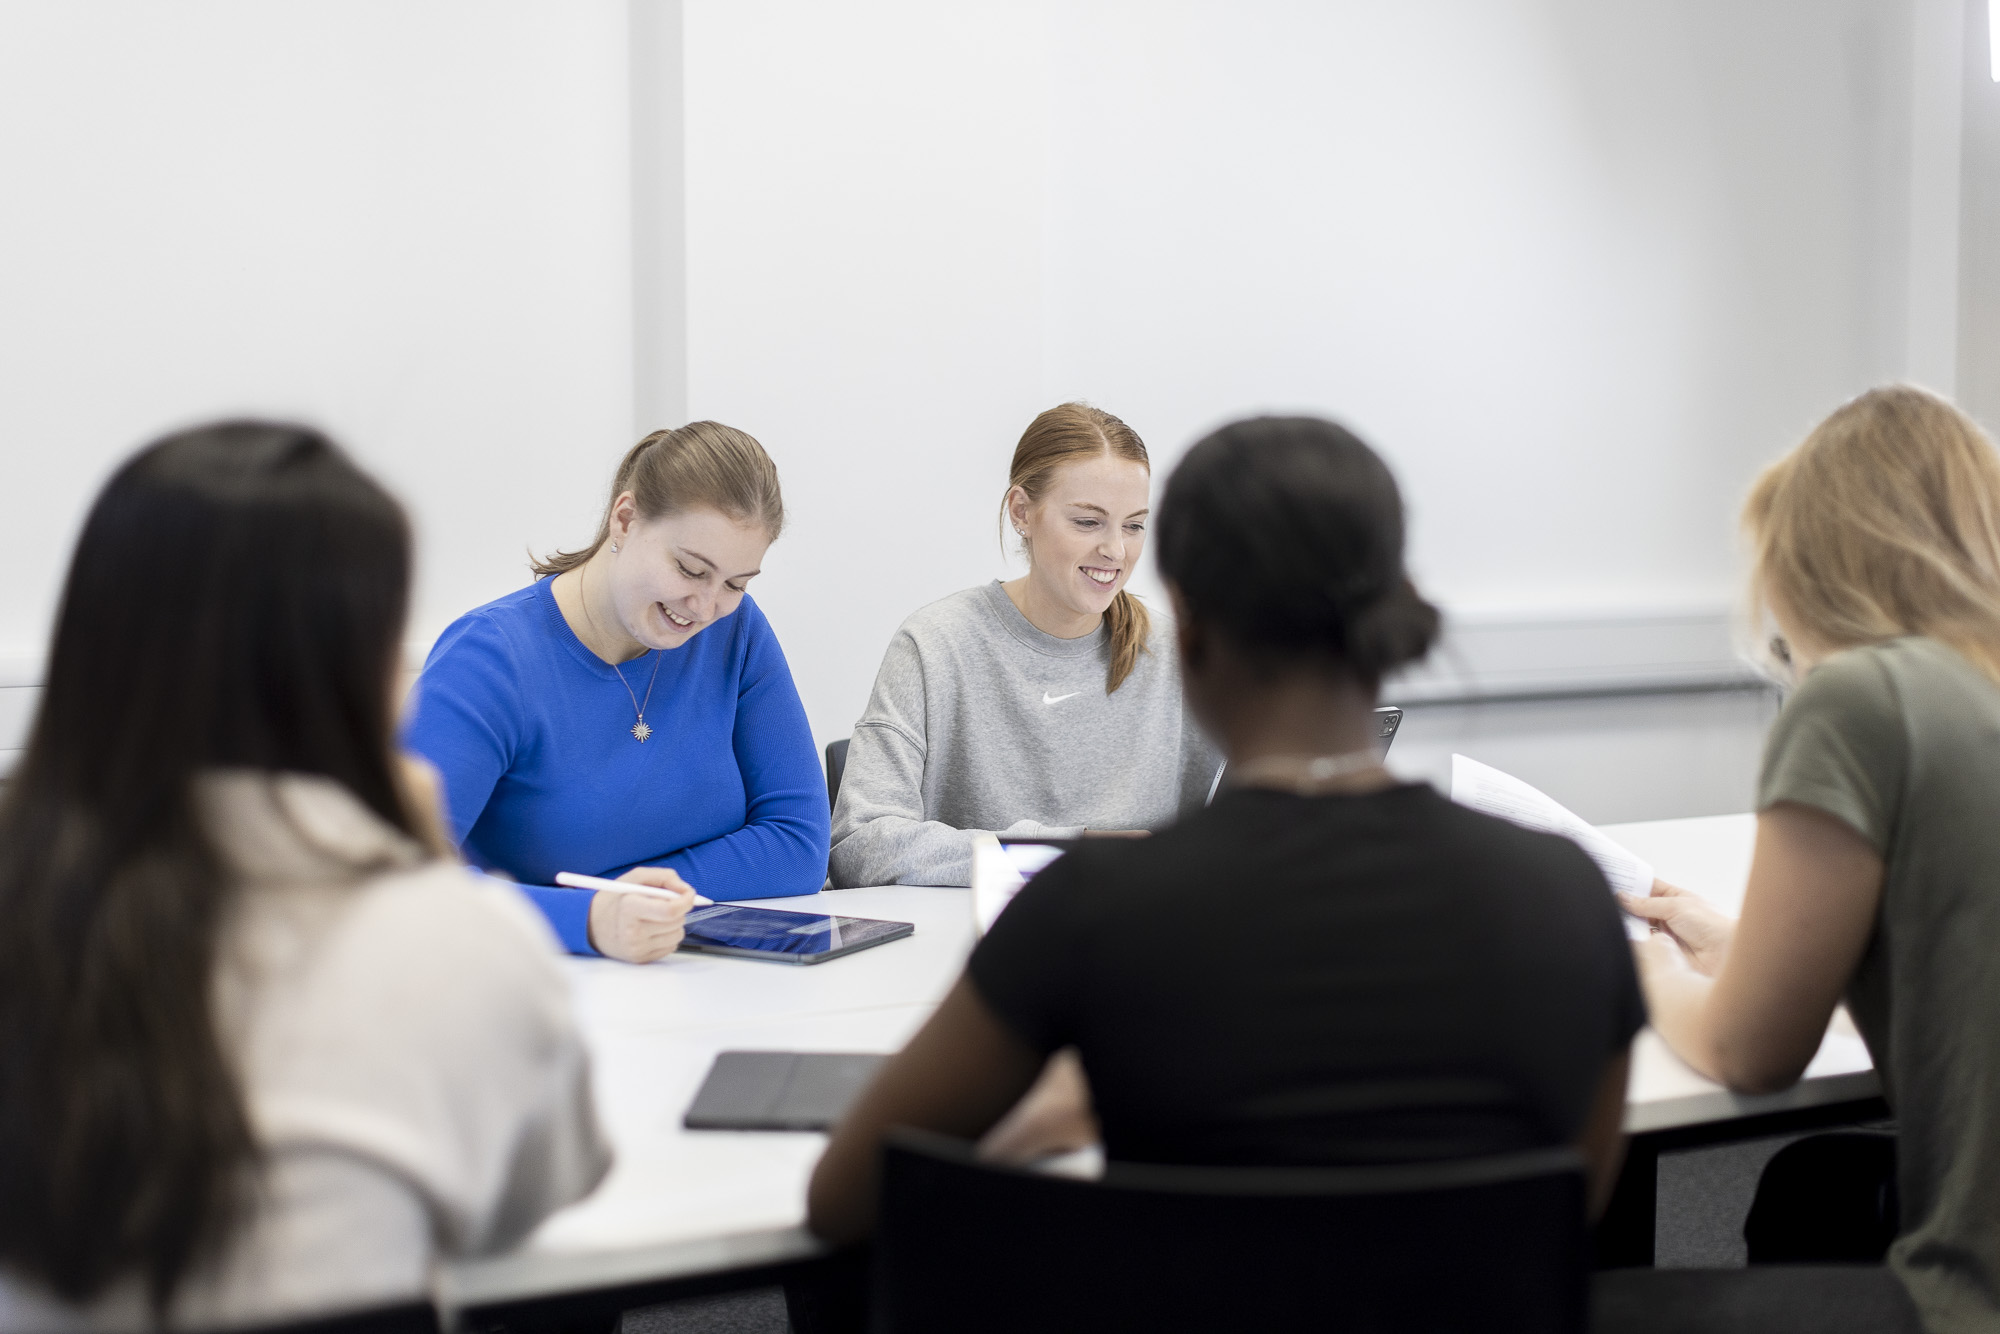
(1286, 534)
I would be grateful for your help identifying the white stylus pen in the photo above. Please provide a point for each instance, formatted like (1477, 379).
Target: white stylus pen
(574, 881)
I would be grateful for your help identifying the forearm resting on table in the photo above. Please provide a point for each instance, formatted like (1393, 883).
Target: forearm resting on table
(773, 855)
(1723, 1042)
(1807, 916)
(881, 847)
(1677, 1006)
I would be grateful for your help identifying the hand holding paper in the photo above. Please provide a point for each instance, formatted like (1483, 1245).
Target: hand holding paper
(1486, 789)
(1702, 929)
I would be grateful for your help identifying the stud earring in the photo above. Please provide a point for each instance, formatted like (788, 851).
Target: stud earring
(614, 548)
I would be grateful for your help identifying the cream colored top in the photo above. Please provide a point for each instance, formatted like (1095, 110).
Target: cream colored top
(407, 1050)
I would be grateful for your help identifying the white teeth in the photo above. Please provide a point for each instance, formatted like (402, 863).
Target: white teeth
(681, 621)
(1103, 576)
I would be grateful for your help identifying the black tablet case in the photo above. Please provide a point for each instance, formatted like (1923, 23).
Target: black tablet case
(780, 1090)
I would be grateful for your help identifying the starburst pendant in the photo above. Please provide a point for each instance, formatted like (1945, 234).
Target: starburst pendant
(640, 730)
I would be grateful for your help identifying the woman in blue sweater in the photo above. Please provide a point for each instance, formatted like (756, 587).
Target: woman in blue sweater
(630, 714)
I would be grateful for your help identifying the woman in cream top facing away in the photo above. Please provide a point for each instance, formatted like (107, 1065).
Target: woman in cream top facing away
(1046, 705)
(266, 1050)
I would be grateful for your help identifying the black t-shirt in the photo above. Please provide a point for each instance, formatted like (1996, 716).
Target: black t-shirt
(1340, 979)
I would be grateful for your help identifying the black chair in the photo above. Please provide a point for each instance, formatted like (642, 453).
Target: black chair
(1494, 1245)
(836, 765)
(410, 1318)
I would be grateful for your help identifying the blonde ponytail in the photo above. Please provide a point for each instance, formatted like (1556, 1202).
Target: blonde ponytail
(1129, 624)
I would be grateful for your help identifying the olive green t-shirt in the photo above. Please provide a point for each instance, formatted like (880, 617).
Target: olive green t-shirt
(1901, 742)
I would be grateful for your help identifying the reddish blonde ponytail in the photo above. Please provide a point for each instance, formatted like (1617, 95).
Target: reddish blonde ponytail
(1129, 627)
(1063, 435)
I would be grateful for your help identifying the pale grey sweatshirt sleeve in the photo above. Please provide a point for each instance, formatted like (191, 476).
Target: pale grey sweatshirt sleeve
(882, 833)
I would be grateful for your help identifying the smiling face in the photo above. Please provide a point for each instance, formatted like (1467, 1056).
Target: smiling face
(1084, 535)
(674, 576)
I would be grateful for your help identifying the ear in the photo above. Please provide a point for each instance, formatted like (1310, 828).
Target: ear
(624, 514)
(1017, 509)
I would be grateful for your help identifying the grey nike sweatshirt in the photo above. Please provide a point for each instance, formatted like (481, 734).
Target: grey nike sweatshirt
(981, 721)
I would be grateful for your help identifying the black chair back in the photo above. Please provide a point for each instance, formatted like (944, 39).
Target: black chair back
(409, 1318)
(1492, 1245)
(836, 765)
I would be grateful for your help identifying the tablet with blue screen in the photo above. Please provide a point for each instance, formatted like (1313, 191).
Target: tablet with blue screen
(784, 937)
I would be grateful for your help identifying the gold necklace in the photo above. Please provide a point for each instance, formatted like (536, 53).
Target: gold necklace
(639, 729)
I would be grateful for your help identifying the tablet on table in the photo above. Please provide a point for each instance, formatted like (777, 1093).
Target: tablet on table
(784, 937)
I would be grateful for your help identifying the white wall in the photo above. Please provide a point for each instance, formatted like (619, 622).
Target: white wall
(1979, 325)
(408, 223)
(865, 295)
(1578, 269)
(1576, 266)
(1609, 758)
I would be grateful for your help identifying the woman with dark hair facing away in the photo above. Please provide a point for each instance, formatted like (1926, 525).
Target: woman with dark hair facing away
(630, 714)
(1383, 976)
(266, 1048)
(1875, 551)
(1043, 706)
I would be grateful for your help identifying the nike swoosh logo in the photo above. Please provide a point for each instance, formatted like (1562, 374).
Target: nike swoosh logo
(1057, 699)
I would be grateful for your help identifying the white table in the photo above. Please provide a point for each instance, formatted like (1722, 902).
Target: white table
(682, 1203)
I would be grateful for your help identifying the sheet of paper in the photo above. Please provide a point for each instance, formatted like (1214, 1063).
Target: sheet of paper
(995, 880)
(1486, 789)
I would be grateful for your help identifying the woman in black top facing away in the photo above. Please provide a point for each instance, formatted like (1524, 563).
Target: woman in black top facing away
(1376, 975)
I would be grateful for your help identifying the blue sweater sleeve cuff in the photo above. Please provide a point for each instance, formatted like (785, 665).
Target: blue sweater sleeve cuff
(568, 911)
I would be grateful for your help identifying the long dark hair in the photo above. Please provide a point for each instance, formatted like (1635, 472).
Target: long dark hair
(1286, 535)
(236, 600)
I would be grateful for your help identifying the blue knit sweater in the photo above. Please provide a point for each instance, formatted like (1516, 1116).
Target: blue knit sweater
(532, 734)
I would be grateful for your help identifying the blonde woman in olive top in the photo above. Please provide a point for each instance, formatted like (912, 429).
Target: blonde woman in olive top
(1877, 869)
(1043, 706)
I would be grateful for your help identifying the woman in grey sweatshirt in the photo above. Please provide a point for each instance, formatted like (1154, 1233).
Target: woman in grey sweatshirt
(1044, 706)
